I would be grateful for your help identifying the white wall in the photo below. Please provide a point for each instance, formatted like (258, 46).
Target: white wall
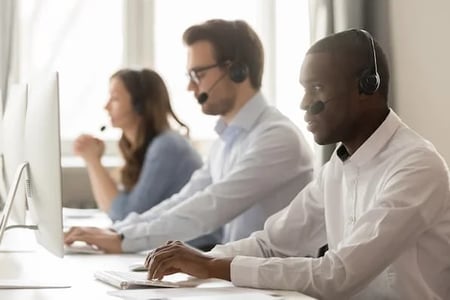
(420, 63)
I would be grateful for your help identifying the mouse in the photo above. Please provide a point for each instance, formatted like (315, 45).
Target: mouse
(137, 267)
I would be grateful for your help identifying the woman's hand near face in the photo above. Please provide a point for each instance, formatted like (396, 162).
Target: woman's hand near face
(89, 148)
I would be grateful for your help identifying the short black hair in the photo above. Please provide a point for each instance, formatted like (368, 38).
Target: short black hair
(355, 46)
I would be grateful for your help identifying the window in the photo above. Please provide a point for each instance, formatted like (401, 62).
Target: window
(82, 40)
(291, 43)
(283, 27)
(86, 41)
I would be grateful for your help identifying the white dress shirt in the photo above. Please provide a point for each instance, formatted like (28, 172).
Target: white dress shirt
(384, 212)
(256, 167)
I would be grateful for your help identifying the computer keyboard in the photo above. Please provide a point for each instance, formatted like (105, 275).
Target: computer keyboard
(125, 280)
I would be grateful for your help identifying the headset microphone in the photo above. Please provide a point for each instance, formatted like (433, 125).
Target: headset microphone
(202, 98)
(204, 95)
(317, 107)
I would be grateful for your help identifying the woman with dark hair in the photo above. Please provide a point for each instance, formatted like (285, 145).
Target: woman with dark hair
(158, 160)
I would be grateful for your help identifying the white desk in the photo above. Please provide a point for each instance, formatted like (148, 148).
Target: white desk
(33, 262)
(78, 271)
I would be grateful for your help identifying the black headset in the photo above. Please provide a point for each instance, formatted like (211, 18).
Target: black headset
(369, 80)
(138, 106)
(238, 71)
(138, 100)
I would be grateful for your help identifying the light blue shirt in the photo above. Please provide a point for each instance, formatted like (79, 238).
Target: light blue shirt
(256, 167)
(169, 163)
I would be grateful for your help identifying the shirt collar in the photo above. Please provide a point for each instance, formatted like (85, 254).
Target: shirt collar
(373, 145)
(246, 116)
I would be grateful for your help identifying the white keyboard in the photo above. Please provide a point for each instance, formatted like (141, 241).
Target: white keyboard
(125, 280)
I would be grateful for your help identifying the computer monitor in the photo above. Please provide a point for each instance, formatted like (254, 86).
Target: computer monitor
(42, 167)
(14, 145)
(3, 189)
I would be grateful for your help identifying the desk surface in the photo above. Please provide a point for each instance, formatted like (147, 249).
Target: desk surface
(29, 261)
(77, 270)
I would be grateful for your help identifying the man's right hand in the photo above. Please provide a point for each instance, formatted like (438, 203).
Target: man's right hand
(105, 239)
(176, 256)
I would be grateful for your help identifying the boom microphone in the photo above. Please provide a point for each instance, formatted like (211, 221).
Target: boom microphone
(317, 106)
(204, 95)
(202, 98)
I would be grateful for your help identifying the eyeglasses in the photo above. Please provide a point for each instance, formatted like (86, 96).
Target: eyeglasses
(194, 73)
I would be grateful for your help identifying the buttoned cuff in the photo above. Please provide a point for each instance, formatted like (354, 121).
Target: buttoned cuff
(244, 271)
(131, 243)
(217, 252)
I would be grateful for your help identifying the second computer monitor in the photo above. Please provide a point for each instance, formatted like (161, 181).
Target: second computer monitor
(13, 147)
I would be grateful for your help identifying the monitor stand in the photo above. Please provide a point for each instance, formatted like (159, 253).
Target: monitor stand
(23, 169)
(18, 265)
(3, 189)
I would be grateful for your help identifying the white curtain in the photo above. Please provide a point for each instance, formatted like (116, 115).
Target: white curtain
(138, 32)
(7, 20)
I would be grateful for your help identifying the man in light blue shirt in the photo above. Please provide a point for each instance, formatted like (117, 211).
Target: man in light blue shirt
(258, 164)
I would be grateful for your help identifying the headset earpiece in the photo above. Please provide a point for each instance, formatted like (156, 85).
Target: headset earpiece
(139, 97)
(138, 106)
(238, 72)
(369, 80)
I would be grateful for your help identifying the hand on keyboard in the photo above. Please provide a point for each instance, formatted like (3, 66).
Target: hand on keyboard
(79, 247)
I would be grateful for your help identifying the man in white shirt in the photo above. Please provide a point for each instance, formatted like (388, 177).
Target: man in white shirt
(382, 203)
(256, 167)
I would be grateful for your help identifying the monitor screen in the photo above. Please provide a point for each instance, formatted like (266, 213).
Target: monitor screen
(43, 154)
(2, 185)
